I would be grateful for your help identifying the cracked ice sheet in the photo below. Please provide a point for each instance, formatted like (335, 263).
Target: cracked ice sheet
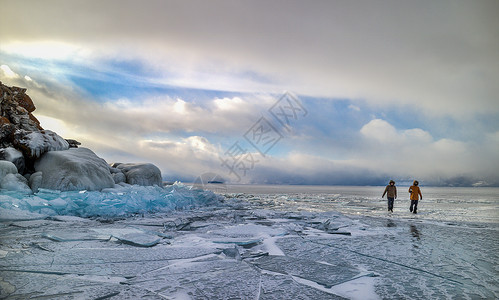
(260, 237)
(208, 277)
(324, 274)
(358, 289)
(192, 266)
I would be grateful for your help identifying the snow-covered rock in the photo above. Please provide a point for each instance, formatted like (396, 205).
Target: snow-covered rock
(15, 182)
(73, 169)
(34, 144)
(7, 167)
(15, 156)
(119, 177)
(141, 173)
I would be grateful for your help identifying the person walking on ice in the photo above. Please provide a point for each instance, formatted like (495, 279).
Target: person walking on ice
(391, 194)
(415, 196)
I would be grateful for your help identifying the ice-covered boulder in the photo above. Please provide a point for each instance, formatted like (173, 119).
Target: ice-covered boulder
(35, 181)
(7, 167)
(141, 173)
(73, 169)
(15, 182)
(119, 177)
(15, 156)
(34, 144)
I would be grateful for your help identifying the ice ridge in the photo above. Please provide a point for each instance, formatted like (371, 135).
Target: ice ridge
(122, 200)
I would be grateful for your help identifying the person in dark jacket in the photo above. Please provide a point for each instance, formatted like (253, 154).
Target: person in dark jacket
(415, 196)
(391, 194)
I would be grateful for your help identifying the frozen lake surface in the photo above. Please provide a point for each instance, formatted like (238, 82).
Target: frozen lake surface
(253, 242)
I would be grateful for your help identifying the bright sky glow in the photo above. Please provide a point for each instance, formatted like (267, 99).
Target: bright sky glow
(42, 50)
(8, 72)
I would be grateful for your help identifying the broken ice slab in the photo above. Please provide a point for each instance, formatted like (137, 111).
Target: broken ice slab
(339, 232)
(36, 245)
(250, 231)
(254, 254)
(240, 242)
(15, 214)
(232, 252)
(52, 286)
(328, 226)
(139, 239)
(68, 219)
(212, 278)
(153, 232)
(97, 259)
(183, 224)
(30, 224)
(131, 236)
(325, 274)
(74, 236)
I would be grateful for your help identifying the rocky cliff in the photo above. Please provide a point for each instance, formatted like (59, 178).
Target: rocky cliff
(32, 157)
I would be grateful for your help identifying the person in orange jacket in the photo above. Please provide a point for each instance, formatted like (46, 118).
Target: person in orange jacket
(415, 192)
(391, 194)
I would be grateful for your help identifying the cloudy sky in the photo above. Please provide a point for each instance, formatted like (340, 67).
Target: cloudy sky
(293, 92)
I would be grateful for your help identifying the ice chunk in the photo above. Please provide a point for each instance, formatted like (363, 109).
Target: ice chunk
(232, 252)
(15, 182)
(250, 230)
(141, 174)
(240, 242)
(131, 236)
(36, 143)
(7, 167)
(72, 236)
(139, 239)
(69, 219)
(73, 169)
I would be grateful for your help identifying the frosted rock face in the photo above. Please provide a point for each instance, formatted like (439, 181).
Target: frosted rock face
(141, 174)
(7, 167)
(15, 182)
(73, 169)
(34, 144)
(15, 113)
(15, 156)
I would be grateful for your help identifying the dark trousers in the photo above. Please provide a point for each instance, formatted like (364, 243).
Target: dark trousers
(390, 203)
(414, 206)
